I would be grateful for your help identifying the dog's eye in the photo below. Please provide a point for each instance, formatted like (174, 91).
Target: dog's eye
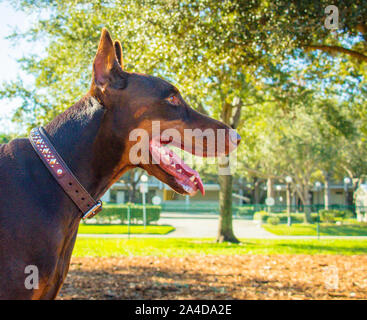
(173, 100)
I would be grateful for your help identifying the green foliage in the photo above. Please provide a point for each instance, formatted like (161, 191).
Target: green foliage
(282, 217)
(219, 53)
(119, 212)
(273, 220)
(245, 210)
(332, 215)
(4, 138)
(329, 216)
(261, 215)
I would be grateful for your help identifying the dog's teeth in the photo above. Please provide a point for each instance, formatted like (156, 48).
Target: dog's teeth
(179, 170)
(192, 178)
(187, 188)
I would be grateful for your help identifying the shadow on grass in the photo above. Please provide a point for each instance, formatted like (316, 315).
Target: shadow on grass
(344, 230)
(321, 248)
(325, 230)
(284, 246)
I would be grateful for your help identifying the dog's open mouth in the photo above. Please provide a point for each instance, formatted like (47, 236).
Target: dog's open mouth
(187, 178)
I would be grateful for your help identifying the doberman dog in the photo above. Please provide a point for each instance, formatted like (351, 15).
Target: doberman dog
(38, 221)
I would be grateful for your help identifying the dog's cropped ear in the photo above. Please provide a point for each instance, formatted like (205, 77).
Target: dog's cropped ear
(106, 68)
(118, 51)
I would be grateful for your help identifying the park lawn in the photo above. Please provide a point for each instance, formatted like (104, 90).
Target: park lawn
(123, 229)
(311, 229)
(102, 247)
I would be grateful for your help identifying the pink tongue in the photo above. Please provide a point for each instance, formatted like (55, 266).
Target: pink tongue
(178, 164)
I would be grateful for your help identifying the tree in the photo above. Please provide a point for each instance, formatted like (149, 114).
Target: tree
(4, 138)
(198, 44)
(220, 54)
(132, 179)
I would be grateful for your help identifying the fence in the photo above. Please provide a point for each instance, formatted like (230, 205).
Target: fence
(124, 213)
(281, 208)
(190, 207)
(246, 209)
(119, 212)
(338, 220)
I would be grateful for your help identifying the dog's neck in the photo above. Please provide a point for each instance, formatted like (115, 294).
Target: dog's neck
(82, 137)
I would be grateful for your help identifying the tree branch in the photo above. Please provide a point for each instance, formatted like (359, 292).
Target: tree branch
(236, 117)
(260, 174)
(362, 28)
(201, 109)
(338, 49)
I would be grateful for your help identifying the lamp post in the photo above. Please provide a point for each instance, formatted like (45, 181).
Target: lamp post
(144, 190)
(288, 180)
(278, 188)
(346, 182)
(265, 188)
(318, 188)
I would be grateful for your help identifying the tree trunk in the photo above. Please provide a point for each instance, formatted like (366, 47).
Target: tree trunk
(307, 206)
(270, 190)
(327, 190)
(225, 231)
(288, 190)
(132, 180)
(256, 196)
(132, 194)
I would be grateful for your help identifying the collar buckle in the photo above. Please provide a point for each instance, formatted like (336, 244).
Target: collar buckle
(93, 211)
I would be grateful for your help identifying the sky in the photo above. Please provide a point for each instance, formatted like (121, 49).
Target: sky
(9, 53)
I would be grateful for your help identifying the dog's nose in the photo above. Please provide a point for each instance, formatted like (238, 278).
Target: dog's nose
(235, 137)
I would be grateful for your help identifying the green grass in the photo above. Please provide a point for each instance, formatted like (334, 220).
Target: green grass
(183, 247)
(310, 229)
(123, 229)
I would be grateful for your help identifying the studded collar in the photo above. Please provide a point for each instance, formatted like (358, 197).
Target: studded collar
(62, 174)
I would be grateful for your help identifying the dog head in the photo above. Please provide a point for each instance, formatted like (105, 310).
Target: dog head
(144, 114)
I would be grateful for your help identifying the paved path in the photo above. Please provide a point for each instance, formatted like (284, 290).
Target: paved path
(206, 226)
